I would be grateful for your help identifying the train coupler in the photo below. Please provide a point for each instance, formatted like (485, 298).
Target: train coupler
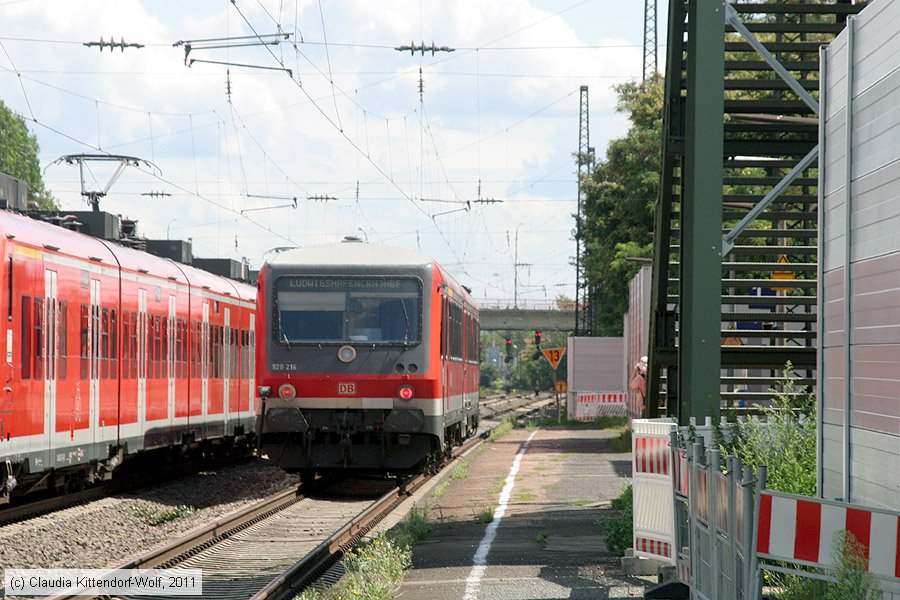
(8, 481)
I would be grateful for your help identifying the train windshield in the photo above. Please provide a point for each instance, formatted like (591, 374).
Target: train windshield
(348, 310)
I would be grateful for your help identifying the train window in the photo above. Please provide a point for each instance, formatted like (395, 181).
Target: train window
(217, 351)
(26, 337)
(157, 346)
(104, 343)
(83, 352)
(133, 358)
(63, 339)
(456, 331)
(37, 317)
(9, 289)
(113, 344)
(164, 347)
(126, 344)
(176, 350)
(364, 310)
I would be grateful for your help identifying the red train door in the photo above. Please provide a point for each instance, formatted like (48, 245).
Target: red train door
(226, 368)
(445, 353)
(170, 362)
(50, 350)
(204, 362)
(94, 360)
(142, 360)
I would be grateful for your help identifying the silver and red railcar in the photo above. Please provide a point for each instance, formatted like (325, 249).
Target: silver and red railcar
(112, 351)
(370, 359)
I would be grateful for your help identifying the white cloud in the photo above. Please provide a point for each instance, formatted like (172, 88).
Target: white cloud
(496, 128)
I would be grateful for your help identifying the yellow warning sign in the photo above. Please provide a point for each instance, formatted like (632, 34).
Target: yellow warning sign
(561, 387)
(783, 260)
(554, 355)
(783, 275)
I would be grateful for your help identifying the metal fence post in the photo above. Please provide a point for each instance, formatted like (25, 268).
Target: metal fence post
(754, 560)
(713, 467)
(749, 539)
(731, 461)
(696, 454)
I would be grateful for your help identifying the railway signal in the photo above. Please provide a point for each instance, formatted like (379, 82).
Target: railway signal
(537, 338)
(509, 350)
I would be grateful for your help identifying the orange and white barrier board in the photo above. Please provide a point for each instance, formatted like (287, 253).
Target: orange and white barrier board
(590, 405)
(802, 529)
(654, 504)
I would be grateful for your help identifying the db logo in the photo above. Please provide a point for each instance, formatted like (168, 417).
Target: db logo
(346, 389)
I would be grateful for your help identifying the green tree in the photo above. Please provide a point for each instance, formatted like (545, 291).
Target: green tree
(19, 156)
(619, 198)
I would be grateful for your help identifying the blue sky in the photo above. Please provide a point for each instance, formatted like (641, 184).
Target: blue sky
(502, 110)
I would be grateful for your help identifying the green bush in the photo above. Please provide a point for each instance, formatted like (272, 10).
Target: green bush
(785, 441)
(852, 581)
(618, 528)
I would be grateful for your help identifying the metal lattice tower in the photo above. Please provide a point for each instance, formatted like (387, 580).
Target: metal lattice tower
(736, 224)
(583, 312)
(651, 62)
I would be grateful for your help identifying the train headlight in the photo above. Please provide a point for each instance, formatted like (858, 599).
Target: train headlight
(406, 392)
(265, 391)
(346, 353)
(286, 391)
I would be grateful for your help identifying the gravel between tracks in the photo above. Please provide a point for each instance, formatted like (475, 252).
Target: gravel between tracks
(109, 531)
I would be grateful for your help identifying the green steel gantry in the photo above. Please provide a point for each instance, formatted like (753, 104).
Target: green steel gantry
(734, 265)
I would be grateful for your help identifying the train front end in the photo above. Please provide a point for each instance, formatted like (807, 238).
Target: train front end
(347, 374)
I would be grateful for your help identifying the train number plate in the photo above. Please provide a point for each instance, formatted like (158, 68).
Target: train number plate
(346, 389)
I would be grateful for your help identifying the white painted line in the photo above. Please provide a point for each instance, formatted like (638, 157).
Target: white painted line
(479, 561)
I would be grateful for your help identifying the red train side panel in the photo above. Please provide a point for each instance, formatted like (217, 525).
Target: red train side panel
(111, 351)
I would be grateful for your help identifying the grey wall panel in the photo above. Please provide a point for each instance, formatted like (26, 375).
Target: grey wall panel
(637, 323)
(874, 467)
(832, 230)
(832, 312)
(832, 461)
(876, 42)
(874, 294)
(595, 364)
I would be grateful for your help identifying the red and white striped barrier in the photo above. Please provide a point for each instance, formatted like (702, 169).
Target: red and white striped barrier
(652, 455)
(590, 405)
(654, 500)
(802, 529)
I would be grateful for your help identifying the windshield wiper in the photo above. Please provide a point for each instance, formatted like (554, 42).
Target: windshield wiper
(406, 317)
(284, 336)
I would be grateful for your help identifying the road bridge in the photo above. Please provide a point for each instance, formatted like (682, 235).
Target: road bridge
(547, 316)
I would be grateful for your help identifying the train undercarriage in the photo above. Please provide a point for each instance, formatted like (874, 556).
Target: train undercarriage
(388, 442)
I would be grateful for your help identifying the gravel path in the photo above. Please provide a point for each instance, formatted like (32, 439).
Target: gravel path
(109, 531)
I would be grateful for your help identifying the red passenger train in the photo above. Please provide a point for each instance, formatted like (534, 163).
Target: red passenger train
(112, 351)
(370, 359)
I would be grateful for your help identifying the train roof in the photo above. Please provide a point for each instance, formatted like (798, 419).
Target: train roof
(355, 254)
(352, 254)
(41, 234)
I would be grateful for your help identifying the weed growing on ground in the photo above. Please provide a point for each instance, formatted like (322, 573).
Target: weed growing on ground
(502, 429)
(851, 578)
(157, 517)
(622, 443)
(541, 538)
(785, 442)
(523, 495)
(498, 487)
(486, 515)
(374, 569)
(618, 527)
(561, 456)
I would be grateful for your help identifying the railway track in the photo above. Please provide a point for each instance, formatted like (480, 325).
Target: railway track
(133, 481)
(252, 553)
